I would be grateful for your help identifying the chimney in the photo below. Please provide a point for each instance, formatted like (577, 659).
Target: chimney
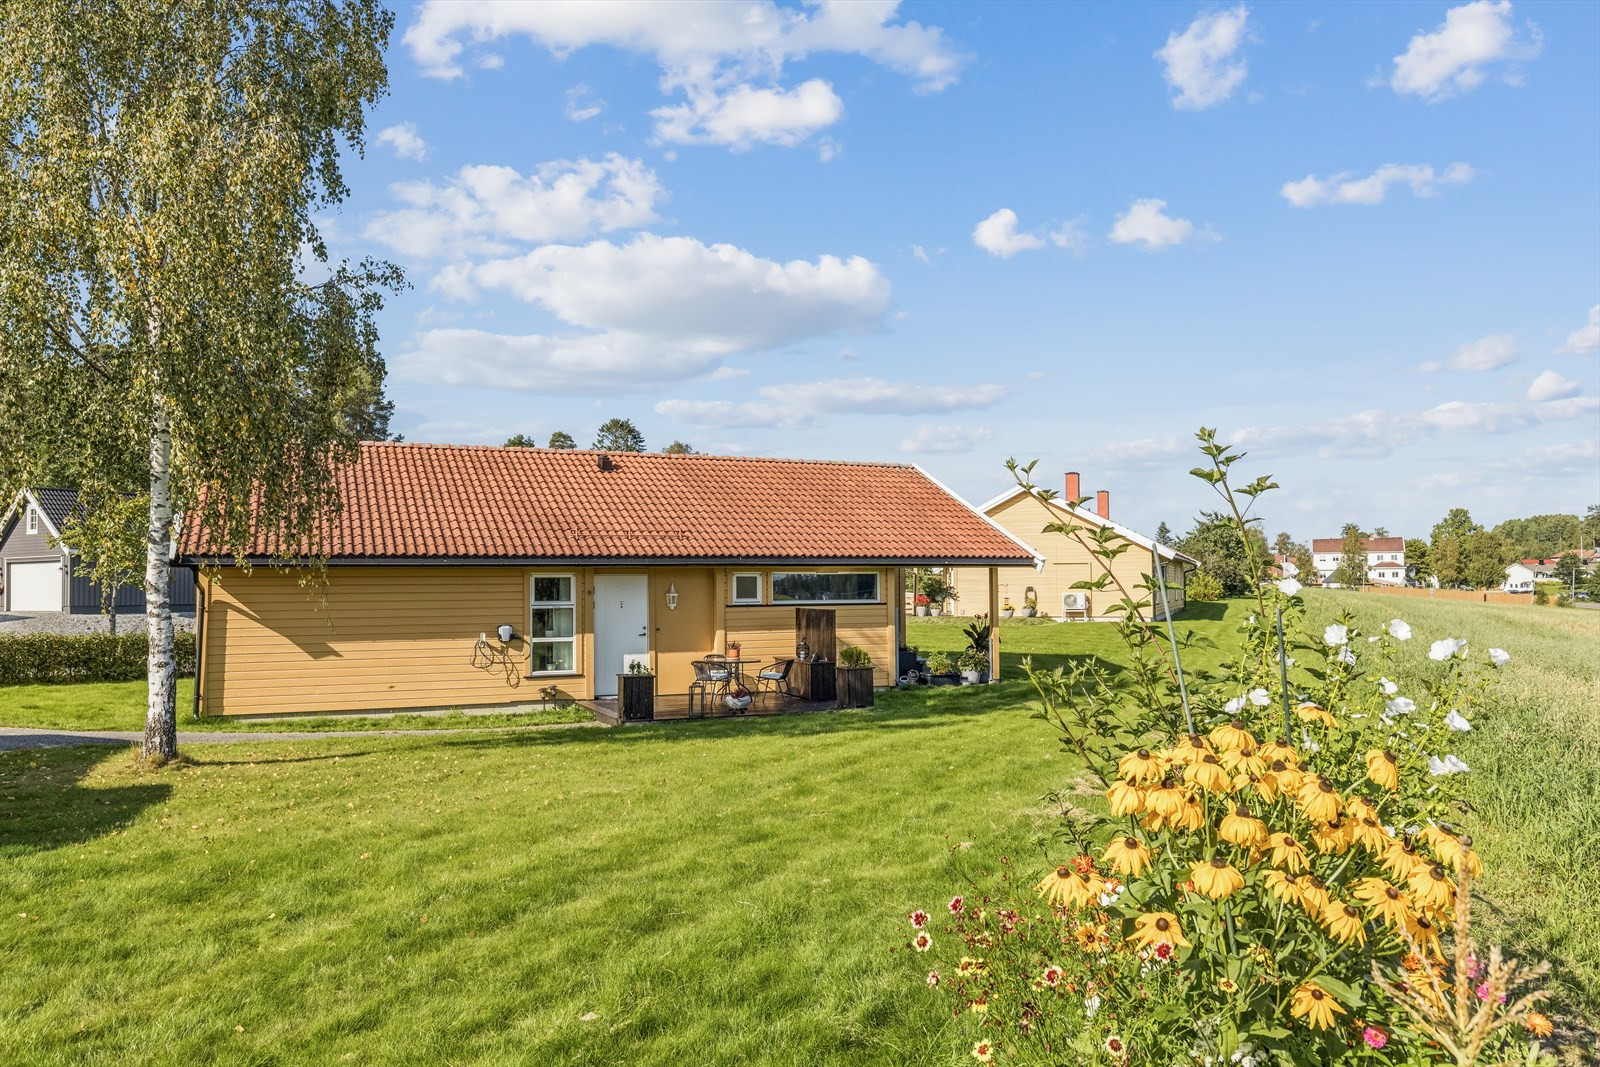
(1072, 487)
(1102, 504)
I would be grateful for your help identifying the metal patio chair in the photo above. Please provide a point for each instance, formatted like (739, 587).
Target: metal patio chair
(774, 678)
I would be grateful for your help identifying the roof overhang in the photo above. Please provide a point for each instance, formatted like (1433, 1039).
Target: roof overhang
(16, 506)
(617, 561)
(1093, 518)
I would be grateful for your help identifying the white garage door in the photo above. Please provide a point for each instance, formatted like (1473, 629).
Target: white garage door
(34, 586)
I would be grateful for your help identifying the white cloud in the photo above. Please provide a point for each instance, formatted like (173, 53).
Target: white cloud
(1585, 338)
(998, 236)
(1341, 188)
(582, 104)
(803, 403)
(1552, 386)
(482, 208)
(1146, 223)
(1451, 59)
(932, 437)
(1200, 62)
(1485, 354)
(1071, 236)
(405, 141)
(718, 52)
(646, 314)
(746, 116)
(731, 415)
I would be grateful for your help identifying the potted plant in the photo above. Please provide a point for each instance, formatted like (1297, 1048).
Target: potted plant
(923, 603)
(942, 670)
(1006, 610)
(974, 666)
(909, 659)
(1030, 606)
(937, 590)
(636, 693)
(855, 677)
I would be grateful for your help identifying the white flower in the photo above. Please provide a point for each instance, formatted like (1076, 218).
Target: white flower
(1346, 656)
(1457, 721)
(1233, 706)
(1399, 629)
(1374, 639)
(1260, 698)
(1448, 765)
(1251, 621)
(1336, 634)
(1290, 570)
(1388, 687)
(1091, 1005)
(1288, 587)
(1499, 657)
(1113, 893)
(1401, 706)
(1446, 647)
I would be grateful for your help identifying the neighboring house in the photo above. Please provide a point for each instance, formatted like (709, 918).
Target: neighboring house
(1520, 578)
(1386, 558)
(590, 558)
(1066, 560)
(43, 575)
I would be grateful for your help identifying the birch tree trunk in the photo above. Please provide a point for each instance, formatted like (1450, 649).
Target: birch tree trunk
(161, 716)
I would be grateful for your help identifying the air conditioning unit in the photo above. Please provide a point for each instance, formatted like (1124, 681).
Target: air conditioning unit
(1074, 603)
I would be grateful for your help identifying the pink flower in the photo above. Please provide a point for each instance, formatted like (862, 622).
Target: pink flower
(933, 979)
(1483, 993)
(1474, 968)
(955, 905)
(1374, 1037)
(919, 919)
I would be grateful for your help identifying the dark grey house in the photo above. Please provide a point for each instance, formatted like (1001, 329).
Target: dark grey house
(40, 574)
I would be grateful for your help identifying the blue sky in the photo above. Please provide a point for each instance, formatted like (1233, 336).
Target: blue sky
(1361, 240)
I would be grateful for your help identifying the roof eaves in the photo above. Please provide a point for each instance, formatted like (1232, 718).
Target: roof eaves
(1038, 558)
(1094, 517)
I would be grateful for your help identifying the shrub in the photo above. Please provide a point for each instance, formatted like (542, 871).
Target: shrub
(851, 656)
(941, 663)
(1203, 586)
(973, 660)
(1541, 597)
(63, 659)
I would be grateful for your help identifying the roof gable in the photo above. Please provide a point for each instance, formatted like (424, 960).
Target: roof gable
(458, 502)
(994, 503)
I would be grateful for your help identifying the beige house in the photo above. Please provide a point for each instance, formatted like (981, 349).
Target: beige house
(480, 577)
(1067, 560)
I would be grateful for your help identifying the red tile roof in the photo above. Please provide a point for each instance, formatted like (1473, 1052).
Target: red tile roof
(420, 501)
(1374, 544)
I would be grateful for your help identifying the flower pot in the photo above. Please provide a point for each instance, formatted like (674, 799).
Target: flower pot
(944, 679)
(970, 677)
(934, 611)
(1006, 613)
(922, 609)
(1028, 613)
(636, 697)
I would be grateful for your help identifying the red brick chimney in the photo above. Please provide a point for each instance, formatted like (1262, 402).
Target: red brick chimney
(1072, 487)
(1102, 504)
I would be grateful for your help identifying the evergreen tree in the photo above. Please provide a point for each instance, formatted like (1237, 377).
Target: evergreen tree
(521, 440)
(1164, 535)
(561, 439)
(618, 435)
(1447, 562)
(678, 448)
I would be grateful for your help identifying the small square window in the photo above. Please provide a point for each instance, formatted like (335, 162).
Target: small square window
(747, 588)
(33, 520)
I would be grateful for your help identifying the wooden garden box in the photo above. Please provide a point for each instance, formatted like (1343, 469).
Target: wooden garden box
(636, 697)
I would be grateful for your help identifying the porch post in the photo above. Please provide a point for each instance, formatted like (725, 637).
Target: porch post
(994, 624)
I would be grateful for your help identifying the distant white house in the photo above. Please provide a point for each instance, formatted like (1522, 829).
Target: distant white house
(1386, 559)
(1519, 578)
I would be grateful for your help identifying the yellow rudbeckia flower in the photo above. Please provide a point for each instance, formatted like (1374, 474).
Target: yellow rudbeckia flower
(1288, 853)
(1425, 932)
(1067, 887)
(1344, 922)
(1383, 769)
(1280, 749)
(1263, 785)
(1216, 878)
(1318, 799)
(1332, 837)
(1191, 749)
(1232, 735)
(1207, 773)
(1432, 890)
(1139, 767)
(1315, 1005)
(1385, 900)
(1240, 827)
(1127, 855)
(1315, 713)
(1243, 760)
(1284, 886)
(1402, 859)
(1192, 815)
(1313, 895)
(1165, 800)
(1158, 928)
(1287, 775)
(1125, 798)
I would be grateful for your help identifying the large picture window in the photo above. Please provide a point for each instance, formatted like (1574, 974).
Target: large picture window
(851, 587)
(552, 625)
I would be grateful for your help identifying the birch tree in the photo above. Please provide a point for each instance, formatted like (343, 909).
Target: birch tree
(171, 329)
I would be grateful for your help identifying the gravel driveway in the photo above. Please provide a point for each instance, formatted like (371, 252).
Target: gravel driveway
(59, 622)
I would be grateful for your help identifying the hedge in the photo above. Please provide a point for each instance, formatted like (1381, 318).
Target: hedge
(61, 659)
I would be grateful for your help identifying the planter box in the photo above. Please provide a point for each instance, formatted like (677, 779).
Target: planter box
(813, 680)
(944, 679)
(855, 686)
(907, 661)
(636, 697)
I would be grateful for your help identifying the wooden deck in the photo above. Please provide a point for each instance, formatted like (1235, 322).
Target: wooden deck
(675, 706)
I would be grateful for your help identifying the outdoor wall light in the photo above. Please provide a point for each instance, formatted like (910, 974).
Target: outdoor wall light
(506, 633)
(672, 596)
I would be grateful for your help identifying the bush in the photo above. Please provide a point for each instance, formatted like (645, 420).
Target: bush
(973, 660)
(1203, 586)
(62, 659)
(851, 656)
(1541, 597)
(941, 663)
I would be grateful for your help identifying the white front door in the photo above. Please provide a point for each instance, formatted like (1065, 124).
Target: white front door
(621, 626)
(35, 586)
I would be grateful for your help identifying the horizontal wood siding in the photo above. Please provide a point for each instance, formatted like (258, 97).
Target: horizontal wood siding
(767, 633)
(379, 638)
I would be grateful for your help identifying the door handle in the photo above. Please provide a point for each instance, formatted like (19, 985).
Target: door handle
(644, 633)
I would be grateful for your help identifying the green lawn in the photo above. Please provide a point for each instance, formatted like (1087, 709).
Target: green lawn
(121, 706)
(712, 892)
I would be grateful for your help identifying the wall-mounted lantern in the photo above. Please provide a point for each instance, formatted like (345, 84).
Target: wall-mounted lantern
(672, 596)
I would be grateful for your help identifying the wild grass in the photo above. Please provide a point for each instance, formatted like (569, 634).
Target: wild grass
(710, 892)
(121, 706)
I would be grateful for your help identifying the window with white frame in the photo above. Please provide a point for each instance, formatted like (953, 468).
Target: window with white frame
(552, 625)
(747, 588)
(33, 519)
(849, 587)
